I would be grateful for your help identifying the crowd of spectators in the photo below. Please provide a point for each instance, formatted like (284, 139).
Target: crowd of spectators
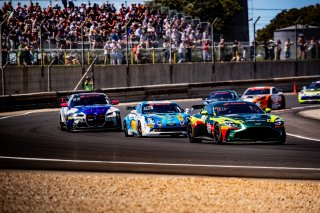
(103, 27)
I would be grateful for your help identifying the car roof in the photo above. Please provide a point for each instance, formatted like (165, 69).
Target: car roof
(88, 94)
(158, 102)
(261, 87)
(231, 102)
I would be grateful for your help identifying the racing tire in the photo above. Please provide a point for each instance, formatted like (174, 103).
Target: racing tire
(217, 134)
(269, 104)
(190, 135)
(61, 125)
(119, 125)
(283, 102)
(283, 137)
(139, 130)
(125, 130)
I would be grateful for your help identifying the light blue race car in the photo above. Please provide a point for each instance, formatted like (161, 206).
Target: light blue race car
(155, 118)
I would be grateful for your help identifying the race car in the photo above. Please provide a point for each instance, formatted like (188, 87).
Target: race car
(310, 93)
(155, 118)
(235, 121)
(265, 97)
(221, 95)
(89, 111)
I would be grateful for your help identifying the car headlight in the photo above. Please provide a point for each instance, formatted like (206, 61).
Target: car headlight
(80, 115)
(111, 114)
(150, 120)
(278, 122)
(231, 124)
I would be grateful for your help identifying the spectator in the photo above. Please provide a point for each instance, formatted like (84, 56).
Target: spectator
(271, 48)
(119, 52)
(312, 48)
(287, 48)
(235, 51)
(182, 52)
(88, 84)
(222, 49)
(205, 51)
(166, 49)
(107, 50)
(278, 49)
(302, 46)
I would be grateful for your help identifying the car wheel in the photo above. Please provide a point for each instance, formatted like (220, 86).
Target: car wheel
(119, 125)
(190, 135)
(269, 105)
(61, 125)
(283, 137)
(125, 129)
(283, 102)
(139, 128)
(217, 135)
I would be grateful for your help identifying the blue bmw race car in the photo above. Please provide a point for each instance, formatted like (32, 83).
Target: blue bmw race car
(89, 111)
(155, 118)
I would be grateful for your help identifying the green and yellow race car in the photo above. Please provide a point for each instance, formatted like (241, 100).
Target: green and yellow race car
(310, 93)
(235, 121)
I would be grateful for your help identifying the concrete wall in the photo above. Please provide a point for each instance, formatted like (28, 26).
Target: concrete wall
(20, 79)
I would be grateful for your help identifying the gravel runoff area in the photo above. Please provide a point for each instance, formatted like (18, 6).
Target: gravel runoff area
(48, 191)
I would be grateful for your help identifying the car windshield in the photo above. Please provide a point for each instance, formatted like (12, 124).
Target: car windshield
(236, 108)
(161, 108)
(85, 100)
(222, 95)
(315, 86)
(257, 92)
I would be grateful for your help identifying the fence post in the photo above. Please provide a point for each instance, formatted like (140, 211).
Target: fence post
(65, 57)
(152, 55)
(88, 57)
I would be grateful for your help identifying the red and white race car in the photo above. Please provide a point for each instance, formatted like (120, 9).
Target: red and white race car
(265, 97)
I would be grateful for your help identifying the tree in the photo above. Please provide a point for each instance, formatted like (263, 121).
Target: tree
(206, 10)
(309, 16)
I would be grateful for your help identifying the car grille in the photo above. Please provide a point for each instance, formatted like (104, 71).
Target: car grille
(258, 133)
(95, 120)
(310, 97)
(177, 129)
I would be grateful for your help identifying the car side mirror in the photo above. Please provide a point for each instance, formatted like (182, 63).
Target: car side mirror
(65, 104)
(267, 110)
(204, 112)
(304, 87)
(115, 102)
(187, 110)
(133, 112)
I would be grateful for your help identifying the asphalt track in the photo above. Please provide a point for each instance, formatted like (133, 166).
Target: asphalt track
(34, 140)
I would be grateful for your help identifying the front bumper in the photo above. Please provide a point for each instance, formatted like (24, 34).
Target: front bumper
(308, 98)
(94, 122)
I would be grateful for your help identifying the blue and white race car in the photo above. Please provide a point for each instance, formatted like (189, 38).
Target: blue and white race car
(89, 111)
(310, 93)
(155, 118)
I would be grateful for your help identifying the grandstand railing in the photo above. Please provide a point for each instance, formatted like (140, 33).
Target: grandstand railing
(147, 56)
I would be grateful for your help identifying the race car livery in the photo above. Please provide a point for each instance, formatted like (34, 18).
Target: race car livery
(221, 95)
(265, 97)
(155, 118)
(234, 122)
(89, 111)
(310, 93)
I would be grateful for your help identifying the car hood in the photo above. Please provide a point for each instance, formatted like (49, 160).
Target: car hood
(249, 117)
(92, 109)
(167, 116)
(311, 91)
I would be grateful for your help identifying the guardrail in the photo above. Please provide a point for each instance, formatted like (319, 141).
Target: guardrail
(155, 92)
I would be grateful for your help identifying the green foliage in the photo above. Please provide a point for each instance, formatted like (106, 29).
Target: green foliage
(309, 16)
(206, 10)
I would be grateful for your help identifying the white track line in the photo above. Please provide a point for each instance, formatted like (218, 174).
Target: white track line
(302, 137)
(160, 164)
(22, 114)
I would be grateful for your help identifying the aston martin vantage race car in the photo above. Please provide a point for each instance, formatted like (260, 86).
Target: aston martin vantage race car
(233, 122)
(265, 97)
(310, 93)
(89, 111)
(155, 118)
